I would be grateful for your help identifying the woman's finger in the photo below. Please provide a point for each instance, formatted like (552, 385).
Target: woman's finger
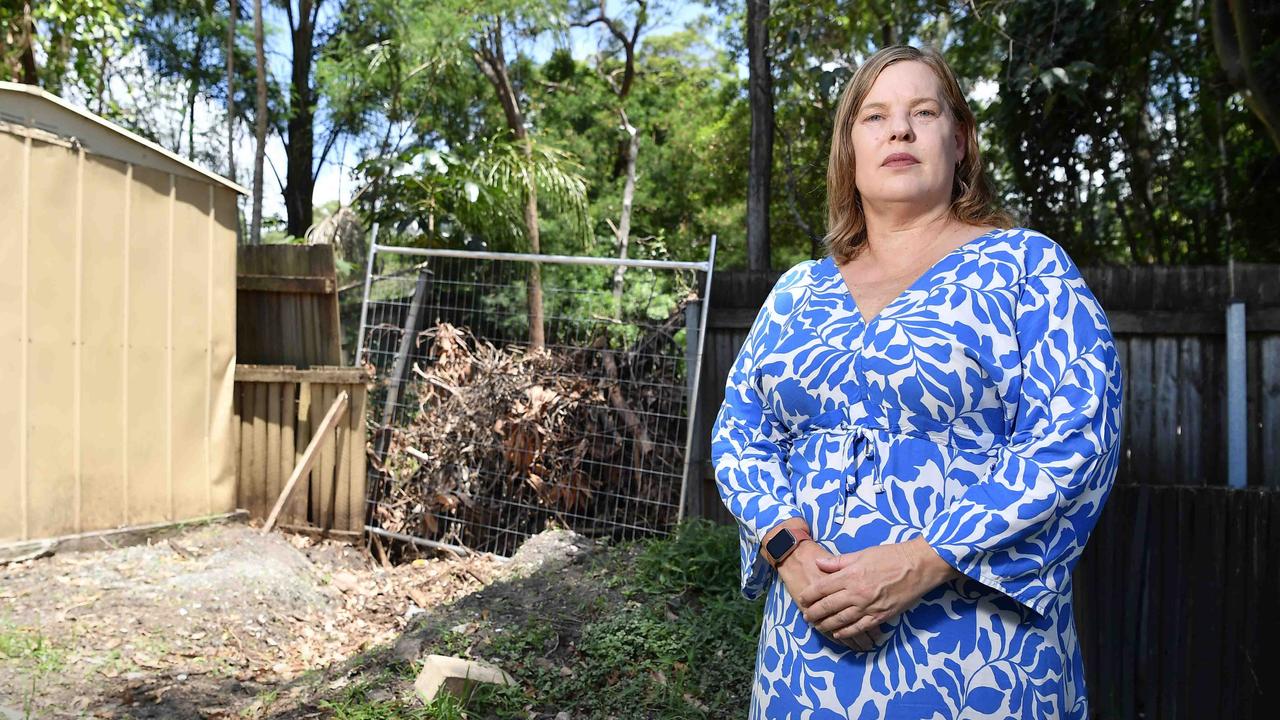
(860, 642)
(828, 605)
(845, 618)
(867, 625)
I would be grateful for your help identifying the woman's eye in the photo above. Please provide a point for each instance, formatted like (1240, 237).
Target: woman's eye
(872, 117)
(929, 111)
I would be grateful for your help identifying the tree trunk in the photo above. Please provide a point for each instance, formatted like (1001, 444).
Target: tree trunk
(1238, 31)
(537, 329)
(624, 218)
(491, 61)
(192, 92)
(23, 68)
(299, 185)
(760, 164)
(260, 125)
(233, 7)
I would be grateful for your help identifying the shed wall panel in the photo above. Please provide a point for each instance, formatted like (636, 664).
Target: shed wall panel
(222, 352)
(51, 316)
(12, 343)
(117, 341)
(102, 333)
(189, 370)
(150, 491)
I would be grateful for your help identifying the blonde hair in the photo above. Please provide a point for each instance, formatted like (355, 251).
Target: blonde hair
(972, 197)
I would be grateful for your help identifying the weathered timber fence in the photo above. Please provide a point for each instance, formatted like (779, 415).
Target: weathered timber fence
(277, 408)
(1175, 604)
(287, 306)
(1170, 334)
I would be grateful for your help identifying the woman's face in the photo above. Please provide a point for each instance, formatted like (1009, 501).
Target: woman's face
(905, 142)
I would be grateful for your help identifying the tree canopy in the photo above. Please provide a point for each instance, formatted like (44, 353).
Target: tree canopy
(1130, 132)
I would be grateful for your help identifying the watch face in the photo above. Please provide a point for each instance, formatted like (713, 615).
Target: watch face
(779, 544)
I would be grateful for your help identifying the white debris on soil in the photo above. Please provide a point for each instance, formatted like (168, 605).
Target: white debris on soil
(198, 624)
(548, 551)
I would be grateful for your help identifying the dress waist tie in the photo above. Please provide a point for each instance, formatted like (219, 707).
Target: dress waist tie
(867, 452)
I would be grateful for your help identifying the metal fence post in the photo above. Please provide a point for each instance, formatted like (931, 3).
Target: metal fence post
(691, 482)
(364, 304)
(1237, 412)
(691, 492)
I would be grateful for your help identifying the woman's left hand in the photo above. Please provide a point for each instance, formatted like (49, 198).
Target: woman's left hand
(870, 587)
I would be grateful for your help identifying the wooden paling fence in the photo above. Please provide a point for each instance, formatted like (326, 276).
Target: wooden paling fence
(1170, 334)
(287, 306)
(1175, 604)
(1170, 327)
(276, 409)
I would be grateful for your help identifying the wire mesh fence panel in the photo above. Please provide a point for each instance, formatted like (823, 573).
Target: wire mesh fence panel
(512, 395)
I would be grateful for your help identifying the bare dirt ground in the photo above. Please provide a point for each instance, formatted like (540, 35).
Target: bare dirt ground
(204, 623)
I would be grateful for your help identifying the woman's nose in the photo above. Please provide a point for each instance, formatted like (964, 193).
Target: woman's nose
(900, 129)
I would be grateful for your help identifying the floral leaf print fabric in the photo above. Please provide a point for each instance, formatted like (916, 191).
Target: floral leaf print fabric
(980, 410)
(752, 445)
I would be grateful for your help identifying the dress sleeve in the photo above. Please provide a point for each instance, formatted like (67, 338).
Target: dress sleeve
(1021, 529)
(749, 444)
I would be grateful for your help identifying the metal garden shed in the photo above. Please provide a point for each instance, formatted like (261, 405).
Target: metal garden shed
(117, 326)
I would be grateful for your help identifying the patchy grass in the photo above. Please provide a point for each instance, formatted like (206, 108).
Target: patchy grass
(29, 648)
(648, 629)
(34, 655)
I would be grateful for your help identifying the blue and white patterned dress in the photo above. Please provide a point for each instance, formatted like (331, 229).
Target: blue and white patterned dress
(981, 409)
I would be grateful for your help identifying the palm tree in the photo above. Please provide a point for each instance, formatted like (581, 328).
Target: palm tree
(502, 187)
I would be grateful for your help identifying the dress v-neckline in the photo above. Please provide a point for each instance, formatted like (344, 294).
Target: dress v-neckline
(928, 273)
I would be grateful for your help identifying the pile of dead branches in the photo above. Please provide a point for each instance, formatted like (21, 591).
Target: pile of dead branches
(506, 440)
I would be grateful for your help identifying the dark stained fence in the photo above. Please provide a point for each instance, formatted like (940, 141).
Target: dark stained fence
(1170, 329)
(1170, 334)
(1175, 604)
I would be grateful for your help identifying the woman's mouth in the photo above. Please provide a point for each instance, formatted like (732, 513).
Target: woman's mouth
(900, 160)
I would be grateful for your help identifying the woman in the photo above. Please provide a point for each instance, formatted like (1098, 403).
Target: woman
(919, 433)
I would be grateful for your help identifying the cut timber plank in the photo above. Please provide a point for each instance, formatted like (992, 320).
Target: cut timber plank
(314, 374)
(286, 284)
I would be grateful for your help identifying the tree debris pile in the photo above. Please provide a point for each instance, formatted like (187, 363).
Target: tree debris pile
(504, 442)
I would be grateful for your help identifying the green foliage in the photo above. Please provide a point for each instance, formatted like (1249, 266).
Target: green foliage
(74, 40)
(1113, 127)
(700, 557)
(651, 655)
(30, 649)
(359, 703)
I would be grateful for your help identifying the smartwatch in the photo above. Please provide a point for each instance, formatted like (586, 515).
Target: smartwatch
(783, 544)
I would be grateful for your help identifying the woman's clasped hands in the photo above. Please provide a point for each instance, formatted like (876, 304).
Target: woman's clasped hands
(848, 597)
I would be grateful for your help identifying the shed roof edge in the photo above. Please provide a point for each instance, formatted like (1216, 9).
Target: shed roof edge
(51, 98)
